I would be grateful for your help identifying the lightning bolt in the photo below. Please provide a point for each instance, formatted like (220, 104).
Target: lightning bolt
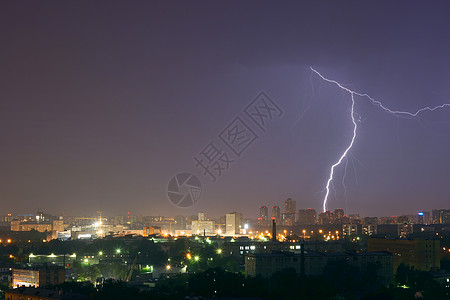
(375, 102)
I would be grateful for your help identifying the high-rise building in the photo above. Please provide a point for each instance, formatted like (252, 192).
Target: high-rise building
(420, 218)
(263, 215)
(233, 223)
(276, 213)
(441, 216)
(306, 216)
(287, 219)
(290, 207)
(338, 214)
(326, 218)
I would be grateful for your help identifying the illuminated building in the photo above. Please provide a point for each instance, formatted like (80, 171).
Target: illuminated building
(307, 216)
(421, 254)
(287, 219)
(441, 216)
(149, 230)
(290, 207)
(233, 223)
(404, 229)
(53, 226)
(38, 277)
(202, 227)
(369, 229)
(351, 229)
(52, 260)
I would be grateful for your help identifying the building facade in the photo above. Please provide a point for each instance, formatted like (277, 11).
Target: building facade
(422, 254)
(314, 263)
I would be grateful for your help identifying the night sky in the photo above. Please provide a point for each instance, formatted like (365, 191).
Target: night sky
(102, 103)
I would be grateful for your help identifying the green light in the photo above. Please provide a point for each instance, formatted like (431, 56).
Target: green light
(100, 253)
(196, 258)
(118, 251)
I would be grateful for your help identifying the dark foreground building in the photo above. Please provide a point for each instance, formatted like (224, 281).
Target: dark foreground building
(314, 263)
(422, 254)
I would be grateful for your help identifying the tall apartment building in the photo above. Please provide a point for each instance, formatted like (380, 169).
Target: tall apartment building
(441, 216)
(276, 214)
(233, 223)
(307, 216)
(263, 218)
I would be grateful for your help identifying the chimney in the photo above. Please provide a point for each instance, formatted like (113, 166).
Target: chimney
(274, 230)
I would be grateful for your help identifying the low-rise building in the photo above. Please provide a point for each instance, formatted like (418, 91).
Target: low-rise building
(38, 277)
(314, 263)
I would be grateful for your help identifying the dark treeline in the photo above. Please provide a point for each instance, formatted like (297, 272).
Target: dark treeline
(340, 282)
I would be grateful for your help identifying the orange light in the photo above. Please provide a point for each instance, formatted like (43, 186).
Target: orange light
(8, 240)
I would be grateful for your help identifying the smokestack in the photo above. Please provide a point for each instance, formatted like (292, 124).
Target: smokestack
(274, 230)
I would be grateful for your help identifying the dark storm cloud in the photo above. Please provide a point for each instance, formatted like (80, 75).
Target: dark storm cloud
(101, 103)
